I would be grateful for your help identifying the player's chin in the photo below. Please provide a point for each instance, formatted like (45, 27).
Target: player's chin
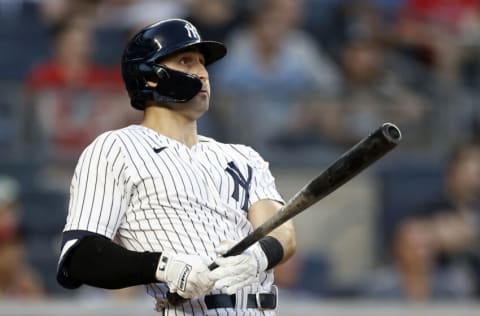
(201, 100)
(203, 94)
(199, 104)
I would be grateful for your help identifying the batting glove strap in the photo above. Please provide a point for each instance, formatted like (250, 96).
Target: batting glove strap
(186, 275)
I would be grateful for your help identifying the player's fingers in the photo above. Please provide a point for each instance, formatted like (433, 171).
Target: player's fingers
(223, 271)
(220, 273)
(191, 292)
(204, 282)
(238, 285)
(232, 260)
(224, 246)
(232, 284)
(227, 282)
(199, 284)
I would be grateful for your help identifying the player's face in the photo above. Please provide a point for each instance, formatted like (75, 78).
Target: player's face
(191, 61)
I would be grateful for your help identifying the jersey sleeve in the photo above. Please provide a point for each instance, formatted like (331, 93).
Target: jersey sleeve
(263, 183)
(98, 198)
(98, 189)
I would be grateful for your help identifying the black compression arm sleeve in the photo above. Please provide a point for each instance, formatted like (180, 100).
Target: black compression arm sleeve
(99, 262)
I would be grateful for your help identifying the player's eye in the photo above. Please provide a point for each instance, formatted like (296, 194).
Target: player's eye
(190, 59)
(184, 60)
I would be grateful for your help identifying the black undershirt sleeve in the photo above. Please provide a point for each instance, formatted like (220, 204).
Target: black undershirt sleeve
(99, 262)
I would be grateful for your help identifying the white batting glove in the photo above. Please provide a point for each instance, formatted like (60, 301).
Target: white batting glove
(187, 275)
(236, 272)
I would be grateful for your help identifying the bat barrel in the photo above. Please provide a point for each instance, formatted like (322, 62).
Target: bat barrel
(391, 132)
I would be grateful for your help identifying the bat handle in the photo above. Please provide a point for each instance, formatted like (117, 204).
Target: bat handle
(212, 266)
(176, 299)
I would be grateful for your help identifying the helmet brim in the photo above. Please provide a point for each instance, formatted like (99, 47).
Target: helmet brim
(211, 50)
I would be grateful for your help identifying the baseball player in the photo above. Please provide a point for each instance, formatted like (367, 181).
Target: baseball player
(156, 203)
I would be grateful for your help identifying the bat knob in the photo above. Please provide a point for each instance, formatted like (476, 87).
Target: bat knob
(175, 299)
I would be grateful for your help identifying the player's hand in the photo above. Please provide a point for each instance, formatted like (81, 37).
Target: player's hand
(187, 275)
(236, 272)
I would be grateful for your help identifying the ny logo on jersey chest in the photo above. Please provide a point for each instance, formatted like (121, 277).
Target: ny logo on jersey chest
(240, 180)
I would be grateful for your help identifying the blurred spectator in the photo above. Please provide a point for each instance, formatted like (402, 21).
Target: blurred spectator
(272, 54)
(439, 36)
(378, 86)
(215, 19)
(271, 61)
(17, 279)
(315, 119)
(374, 93)
(372, 20)
(435, 251)
(70, 98)
(117, 21)
(353, 19)
(55, 11)
(428, 32)
(469, 41)
(22, 39)
(446, 12)
(131, 15)
(422, 45)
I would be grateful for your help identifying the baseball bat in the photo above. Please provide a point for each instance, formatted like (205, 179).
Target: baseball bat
(348, 165)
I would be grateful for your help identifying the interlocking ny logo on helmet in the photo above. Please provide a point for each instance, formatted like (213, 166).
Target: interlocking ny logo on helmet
(192, 31)
(154, 42)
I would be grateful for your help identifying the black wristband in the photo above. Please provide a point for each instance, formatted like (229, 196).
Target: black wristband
(273, 250)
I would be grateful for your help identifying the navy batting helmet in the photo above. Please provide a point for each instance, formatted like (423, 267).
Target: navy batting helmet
(142, 57)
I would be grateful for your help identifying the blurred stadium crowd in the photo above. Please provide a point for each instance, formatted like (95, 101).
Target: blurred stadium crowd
(302, 82)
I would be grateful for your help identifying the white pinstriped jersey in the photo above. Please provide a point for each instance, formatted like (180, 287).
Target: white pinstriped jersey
(153, 193)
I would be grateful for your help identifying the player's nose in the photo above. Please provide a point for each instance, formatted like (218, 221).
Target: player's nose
(201, 71)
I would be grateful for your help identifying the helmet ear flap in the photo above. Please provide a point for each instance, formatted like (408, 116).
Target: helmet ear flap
(162, 73)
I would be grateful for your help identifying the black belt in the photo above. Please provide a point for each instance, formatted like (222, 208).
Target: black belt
(259, 300)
